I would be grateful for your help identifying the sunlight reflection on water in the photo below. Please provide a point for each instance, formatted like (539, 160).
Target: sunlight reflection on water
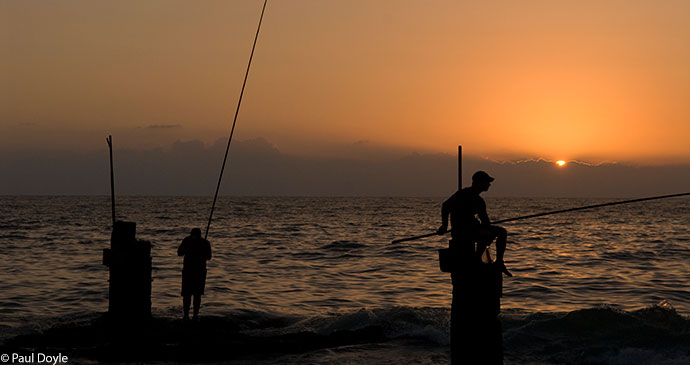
(329, 255)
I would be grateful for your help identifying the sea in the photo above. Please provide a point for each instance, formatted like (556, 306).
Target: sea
(600, 286)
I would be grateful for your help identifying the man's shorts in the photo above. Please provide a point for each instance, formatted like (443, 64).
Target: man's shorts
(193, 282)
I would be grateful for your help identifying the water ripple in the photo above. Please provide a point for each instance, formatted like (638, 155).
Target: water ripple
(310, 255)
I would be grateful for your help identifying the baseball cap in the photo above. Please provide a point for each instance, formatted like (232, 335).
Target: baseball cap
(482, 176)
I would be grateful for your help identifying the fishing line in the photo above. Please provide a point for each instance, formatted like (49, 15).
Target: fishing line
(237, 111)
(557, 212)
(590, 207)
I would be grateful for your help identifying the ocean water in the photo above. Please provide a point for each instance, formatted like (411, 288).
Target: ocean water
(610, 285)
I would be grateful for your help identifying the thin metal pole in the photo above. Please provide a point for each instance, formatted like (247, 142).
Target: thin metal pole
(557, 212)
(112, 178)
(459, 167)
(234, 121)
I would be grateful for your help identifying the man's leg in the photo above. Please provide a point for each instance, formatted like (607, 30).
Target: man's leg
(484, 237)
(186, 301)
(501, 241)
(197, 304)
(501, 238)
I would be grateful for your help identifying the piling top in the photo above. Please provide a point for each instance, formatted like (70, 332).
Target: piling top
(123, 233)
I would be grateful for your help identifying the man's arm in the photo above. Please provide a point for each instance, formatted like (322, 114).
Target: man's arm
(209, 253)
(483, 217)
(445, 211)
(182, 249)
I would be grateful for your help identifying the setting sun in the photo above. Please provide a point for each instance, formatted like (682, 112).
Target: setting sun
(560, 163)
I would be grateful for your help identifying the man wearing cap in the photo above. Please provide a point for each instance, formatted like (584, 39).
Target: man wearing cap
(464, 207)
(475, 331)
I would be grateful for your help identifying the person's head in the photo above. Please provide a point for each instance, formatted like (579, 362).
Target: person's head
(481, 181)
(196, 232)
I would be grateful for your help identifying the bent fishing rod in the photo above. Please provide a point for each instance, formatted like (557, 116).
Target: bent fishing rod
(234, 121)
(555, 212)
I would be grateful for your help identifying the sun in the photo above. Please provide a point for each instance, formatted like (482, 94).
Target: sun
(560, 163)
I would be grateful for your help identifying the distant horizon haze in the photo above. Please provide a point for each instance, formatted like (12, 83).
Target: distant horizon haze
(258, 168)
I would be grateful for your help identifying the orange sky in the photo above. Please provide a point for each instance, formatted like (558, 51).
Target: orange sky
(587, 80)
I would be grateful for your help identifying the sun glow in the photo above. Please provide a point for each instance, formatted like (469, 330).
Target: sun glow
(560, 163)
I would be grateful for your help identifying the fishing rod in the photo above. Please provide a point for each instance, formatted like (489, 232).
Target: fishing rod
(234, 121)
(555, 212)
(112, 178)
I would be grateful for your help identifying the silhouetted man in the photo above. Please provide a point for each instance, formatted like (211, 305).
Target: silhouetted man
(196, 252)
(475, 330)
(464, 207)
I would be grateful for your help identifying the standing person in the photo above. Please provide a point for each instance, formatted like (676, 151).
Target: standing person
(475, 331)
(196, 252)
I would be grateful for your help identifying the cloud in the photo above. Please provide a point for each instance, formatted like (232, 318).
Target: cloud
(164, 126)
(256, 167)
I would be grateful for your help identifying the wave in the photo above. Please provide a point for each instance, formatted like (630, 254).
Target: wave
(342, 246)
(656, 334)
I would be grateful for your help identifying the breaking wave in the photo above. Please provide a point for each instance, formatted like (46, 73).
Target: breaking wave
(656, 334)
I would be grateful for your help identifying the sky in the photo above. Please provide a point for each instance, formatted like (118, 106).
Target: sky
(588, 81)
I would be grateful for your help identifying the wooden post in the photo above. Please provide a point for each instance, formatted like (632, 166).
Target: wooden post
(129, 263)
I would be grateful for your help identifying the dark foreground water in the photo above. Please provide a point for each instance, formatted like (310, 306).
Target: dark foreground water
(610, 285)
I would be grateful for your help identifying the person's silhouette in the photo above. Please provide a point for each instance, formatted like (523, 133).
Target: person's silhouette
(196, 252)
(475, 331)
(464, 207)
